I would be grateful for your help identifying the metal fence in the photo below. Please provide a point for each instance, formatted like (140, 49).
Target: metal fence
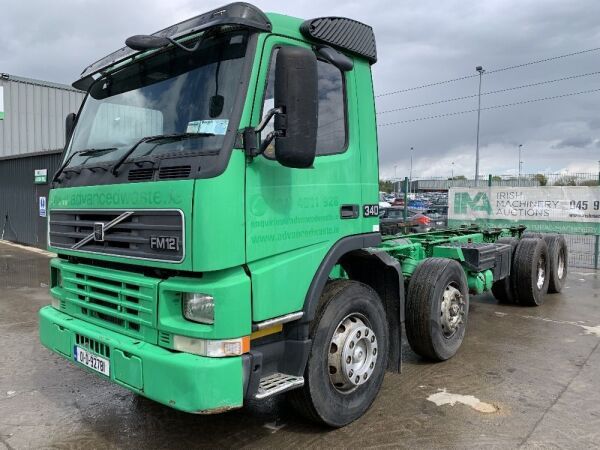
(424, 184)
(583, 251)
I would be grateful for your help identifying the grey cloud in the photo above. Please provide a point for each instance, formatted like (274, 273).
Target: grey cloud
(418, 43)
(574, 141)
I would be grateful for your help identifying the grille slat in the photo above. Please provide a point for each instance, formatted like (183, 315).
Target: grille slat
(118, 290)
(132, 237)
(109, 312)
(132, 226)
(93, 345)
(109, 299)
(174, 172)
(140, 174)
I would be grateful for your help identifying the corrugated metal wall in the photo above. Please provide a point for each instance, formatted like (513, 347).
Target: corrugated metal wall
(34, 115)
(19, 198)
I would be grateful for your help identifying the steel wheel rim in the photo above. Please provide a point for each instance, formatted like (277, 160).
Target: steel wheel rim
(353, 353)
(541, 273)
(452, 310)
(560, 269)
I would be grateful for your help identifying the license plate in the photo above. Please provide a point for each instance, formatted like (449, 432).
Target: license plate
(92, 361)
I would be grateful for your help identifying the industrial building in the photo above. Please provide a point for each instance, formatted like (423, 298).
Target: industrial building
(32, 138)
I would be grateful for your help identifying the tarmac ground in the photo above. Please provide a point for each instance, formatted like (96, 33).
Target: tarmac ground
(524, 377)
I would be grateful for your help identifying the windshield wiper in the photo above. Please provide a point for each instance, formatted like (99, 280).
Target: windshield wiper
(87, 151)
(167, 137)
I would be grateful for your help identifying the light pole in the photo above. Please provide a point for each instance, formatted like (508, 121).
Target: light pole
(410, 172)
(481, 71)
(520, 164)
(452, 178)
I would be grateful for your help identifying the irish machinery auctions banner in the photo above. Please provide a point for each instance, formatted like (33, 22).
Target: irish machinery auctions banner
(1, 102)
(563, 209)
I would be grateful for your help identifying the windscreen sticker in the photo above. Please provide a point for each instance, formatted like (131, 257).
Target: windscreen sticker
(218, 126)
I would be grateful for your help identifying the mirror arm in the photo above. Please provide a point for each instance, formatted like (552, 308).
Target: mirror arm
(250, 135)
(264, 144)
(270, 113)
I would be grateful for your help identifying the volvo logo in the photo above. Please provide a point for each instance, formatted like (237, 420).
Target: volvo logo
(100, 228)
(99, 232)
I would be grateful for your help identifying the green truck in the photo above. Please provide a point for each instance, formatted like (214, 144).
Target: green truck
(216, 223)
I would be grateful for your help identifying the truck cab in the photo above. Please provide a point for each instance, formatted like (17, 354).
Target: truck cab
(214, 177)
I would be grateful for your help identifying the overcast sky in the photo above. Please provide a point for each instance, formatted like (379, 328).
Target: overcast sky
(419, 42)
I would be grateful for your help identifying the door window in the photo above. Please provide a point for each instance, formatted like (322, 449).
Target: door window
(331, 131)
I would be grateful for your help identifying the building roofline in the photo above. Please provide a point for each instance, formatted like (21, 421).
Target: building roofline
(50, 84)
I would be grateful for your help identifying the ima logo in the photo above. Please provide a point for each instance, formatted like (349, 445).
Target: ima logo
(463, 203)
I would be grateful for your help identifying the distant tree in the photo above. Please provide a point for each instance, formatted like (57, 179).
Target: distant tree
(386, 186)
(496, 178)
(460, 177)
(541, 179)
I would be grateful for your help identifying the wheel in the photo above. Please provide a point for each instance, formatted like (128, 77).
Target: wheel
(437, 306)
(558, 256)
(502, 289)
(348, 357)
(532, 234)
(529, 274)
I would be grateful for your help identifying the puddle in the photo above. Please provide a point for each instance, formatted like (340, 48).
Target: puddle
(446, 398)
(592, 331)
(274, 427)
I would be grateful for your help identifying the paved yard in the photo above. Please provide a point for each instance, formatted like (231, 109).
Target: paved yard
(524, 377)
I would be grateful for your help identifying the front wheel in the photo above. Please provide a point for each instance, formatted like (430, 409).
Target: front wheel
(348, 356)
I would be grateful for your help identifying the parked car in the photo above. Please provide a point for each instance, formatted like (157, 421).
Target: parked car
(391, 221)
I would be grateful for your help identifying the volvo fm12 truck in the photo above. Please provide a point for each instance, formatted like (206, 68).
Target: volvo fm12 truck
(215, 220)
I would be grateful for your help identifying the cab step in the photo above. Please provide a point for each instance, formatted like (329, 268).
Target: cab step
(277, 383)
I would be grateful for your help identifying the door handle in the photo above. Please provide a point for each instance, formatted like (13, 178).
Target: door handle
(349, 211)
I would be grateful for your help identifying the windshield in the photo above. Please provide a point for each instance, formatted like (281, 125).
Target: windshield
(173, 92)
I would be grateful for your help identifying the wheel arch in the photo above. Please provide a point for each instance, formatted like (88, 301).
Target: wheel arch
(373, 267)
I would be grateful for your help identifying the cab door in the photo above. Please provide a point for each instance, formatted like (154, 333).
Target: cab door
(293, 216)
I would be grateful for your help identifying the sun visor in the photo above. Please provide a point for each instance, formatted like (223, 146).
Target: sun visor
(241, 14)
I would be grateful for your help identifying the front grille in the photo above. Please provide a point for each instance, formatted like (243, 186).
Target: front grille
(146, 234)
(90, 344)
(120, 301)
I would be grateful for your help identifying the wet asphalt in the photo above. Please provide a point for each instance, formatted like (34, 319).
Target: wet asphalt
(537, 369)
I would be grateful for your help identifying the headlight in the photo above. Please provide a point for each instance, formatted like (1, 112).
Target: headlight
(199, 307)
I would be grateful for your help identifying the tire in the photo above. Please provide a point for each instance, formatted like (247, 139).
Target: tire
(502, 289)
(558, 255)
(530, 258)
(532, 235)
(427, 330)
(331, 398)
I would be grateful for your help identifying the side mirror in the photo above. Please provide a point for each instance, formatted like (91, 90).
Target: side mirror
(69, 126)
(297, 98)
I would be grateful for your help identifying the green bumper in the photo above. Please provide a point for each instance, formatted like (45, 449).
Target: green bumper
(182, 381)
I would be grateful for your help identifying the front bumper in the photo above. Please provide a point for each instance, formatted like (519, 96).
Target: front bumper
(182, 381)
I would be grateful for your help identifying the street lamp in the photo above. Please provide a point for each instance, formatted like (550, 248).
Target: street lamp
(520, 164)
(410, 172)
(481, 71)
